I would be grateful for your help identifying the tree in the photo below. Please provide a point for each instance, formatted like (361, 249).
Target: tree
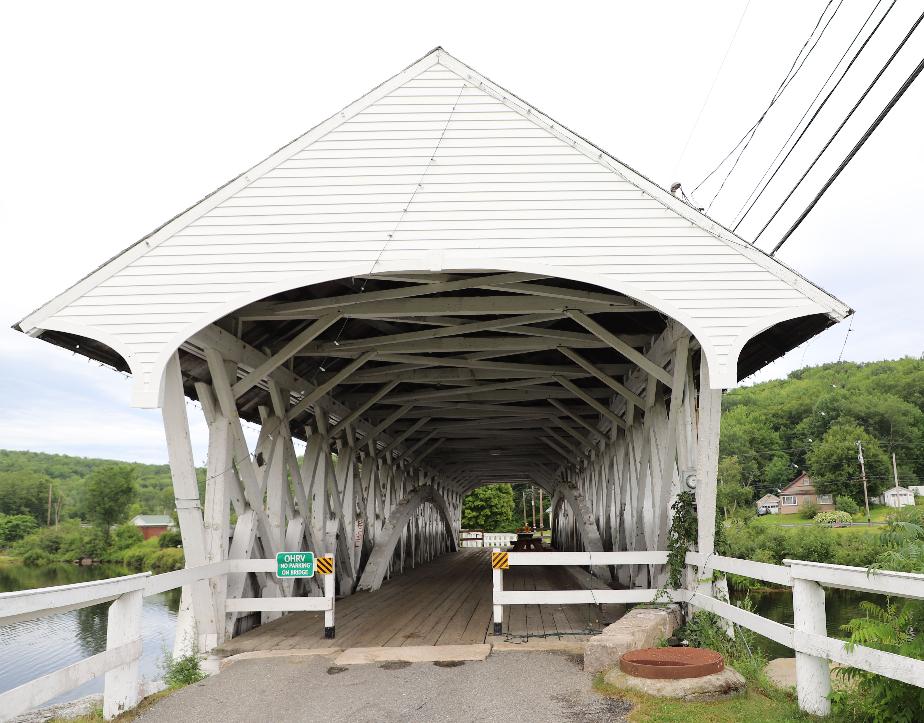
(15, 527)
(108, 492)
(24, 493)
(489, 508)
(835, 469)
(731, 493)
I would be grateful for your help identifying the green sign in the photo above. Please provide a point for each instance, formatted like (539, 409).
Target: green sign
(294, 564)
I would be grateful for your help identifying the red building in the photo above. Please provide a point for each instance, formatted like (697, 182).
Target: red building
(152, 525)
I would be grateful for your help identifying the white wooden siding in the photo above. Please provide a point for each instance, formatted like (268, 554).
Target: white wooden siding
(409, 183)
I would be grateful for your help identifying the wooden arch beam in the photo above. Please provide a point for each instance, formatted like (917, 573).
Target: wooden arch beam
(374, 573)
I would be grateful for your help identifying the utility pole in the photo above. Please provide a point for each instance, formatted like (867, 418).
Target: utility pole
(523, 497)
(869, 520)
(532, 503)
(48, 521)
(894, 469)
(541, 511)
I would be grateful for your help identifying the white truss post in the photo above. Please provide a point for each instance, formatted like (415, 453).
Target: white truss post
(707, 465)
(219, 481)
(203, 634)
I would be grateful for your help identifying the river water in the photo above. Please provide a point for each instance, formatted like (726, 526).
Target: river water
(32, 648)
(841, 606)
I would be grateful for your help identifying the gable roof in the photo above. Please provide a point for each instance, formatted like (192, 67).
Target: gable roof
(367, 162)
(796, 486)
(152, 520)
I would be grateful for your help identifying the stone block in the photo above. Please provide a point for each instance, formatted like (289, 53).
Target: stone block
(718, 686)
(638, 628)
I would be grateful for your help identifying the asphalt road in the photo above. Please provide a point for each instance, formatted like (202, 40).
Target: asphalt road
(536, 686)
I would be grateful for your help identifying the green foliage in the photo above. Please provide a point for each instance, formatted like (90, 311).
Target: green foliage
(489, 508)
(150, 556)
(24, 492)
(180, 672)
(753, 541)
(896, 627)
(124, 536)
(681, 538)
(170, 538)
(65, 543)
(730, 471)
(108, 492)
(809, 509)
(14, 527)
(844, 503)
(732, 496)
(155, 488)
(833, 463)
(772, 428)
(835, 517)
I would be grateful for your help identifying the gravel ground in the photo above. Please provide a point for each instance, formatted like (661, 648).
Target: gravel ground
(539, 686)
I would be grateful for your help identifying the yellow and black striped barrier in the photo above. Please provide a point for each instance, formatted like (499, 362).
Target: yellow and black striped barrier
(324, 565)
(500, 561)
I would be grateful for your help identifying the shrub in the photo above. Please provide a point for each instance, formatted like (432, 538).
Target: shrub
(171, 538)
(148, 555)
(846, 504)
(837, 517)
(14, 527)
(64, 543)
(125, 536)
(809, 509)
(183, 671)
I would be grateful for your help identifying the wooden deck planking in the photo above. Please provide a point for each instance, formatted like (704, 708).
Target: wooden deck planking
(445, 602)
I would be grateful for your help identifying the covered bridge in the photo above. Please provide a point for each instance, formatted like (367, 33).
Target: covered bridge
(437, 288)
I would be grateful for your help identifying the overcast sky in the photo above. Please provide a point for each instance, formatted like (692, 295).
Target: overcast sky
(116, 116)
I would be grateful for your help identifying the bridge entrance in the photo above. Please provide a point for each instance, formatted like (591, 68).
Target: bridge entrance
(444, 602)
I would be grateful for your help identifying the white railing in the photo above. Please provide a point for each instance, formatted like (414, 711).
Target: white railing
(499, 539)
(471, 538)
(120, 661)
(479, 538)
(808, 638)
(575, 597)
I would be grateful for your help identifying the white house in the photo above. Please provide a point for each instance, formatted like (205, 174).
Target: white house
(898, 497)
(917, 490)
(770, 503)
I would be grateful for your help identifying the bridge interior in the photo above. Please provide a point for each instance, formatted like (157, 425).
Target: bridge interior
(410, 390)
(443, 602)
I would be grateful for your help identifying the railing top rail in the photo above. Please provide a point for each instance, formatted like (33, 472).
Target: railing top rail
(884, 582)
(747, 568)
(42, 601)
(640, 557)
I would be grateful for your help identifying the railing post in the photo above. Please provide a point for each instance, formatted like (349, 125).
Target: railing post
(498, 577)
(122, 689)
(813, 675)
(330, 587)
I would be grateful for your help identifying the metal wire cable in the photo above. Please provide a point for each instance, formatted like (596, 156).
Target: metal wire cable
(815, 114)
(853, 152)
(773, 100)
(834, 135)
(715, 79)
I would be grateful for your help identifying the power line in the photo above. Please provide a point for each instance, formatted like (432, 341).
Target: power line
(838, 130)
(853, 151)
(817, 110)
(711, 88)
(760, 120)
(779, 91)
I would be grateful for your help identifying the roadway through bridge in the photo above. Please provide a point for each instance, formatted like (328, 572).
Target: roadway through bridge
(444, 602)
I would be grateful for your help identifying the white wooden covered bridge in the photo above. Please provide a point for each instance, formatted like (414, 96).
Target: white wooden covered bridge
(437, 288)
